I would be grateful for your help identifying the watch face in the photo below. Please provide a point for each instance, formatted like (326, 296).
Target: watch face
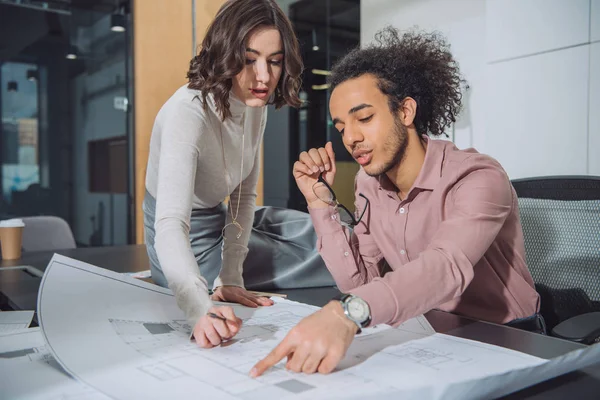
(358, 309)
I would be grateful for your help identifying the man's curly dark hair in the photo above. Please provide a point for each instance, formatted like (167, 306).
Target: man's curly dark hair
(414, 64)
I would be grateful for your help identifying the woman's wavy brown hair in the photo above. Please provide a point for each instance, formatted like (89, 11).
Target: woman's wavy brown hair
(223, 53)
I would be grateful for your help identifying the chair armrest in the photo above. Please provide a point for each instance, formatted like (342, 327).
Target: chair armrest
(584, 328)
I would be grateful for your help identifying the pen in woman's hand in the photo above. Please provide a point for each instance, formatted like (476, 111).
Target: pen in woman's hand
(217, 316)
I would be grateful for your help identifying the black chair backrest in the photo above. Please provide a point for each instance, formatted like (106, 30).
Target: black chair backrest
(559, 187)
(560, 216)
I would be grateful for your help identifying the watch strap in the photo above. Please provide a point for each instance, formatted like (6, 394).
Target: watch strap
(341, 297)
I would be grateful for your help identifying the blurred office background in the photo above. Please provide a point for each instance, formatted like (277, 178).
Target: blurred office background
(82, 80)
(66, 126)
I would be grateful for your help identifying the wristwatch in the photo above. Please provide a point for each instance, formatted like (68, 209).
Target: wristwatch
(356, 309)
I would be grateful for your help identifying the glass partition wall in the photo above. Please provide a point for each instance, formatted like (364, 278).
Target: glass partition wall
(327, 30)
(65, 137)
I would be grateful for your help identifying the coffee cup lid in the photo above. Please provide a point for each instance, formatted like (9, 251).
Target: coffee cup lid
(12, 223)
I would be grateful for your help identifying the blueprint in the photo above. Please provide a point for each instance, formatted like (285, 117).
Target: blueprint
(14, 321)
(128, 339)
(30, 372)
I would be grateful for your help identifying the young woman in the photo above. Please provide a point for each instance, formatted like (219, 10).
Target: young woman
(205, 146)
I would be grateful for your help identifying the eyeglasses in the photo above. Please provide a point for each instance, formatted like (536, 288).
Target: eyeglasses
(325, 193)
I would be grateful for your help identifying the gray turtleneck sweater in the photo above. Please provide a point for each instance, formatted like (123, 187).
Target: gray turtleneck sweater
(186, 171)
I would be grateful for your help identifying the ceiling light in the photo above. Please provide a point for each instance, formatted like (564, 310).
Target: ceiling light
(72, 52)
(320, 72)
(315, 45)
(32, 75)
(12, 86)
(320, 87)
(117, 22)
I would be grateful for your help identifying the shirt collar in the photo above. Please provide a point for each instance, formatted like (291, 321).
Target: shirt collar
(431, 171)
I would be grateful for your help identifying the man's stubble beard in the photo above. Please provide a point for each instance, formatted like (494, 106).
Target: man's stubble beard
(396, 140)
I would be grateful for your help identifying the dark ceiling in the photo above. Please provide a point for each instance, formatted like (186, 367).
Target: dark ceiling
(340, 15)
(333, 26)
(102, 6)
(27, 22)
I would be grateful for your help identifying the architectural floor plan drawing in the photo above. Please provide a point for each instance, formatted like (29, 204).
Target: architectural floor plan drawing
(14, 321)
(127, 339)
(30, 372)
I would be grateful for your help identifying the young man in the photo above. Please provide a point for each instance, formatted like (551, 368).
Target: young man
(445, 220)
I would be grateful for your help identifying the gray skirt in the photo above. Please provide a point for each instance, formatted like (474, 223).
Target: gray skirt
(282, 252)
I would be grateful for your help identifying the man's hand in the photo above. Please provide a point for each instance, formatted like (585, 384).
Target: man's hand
(236, 294)
(317, 343)
(210, 331)
(306, 171)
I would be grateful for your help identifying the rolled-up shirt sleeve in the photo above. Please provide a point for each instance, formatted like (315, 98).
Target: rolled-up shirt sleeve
(352, 256)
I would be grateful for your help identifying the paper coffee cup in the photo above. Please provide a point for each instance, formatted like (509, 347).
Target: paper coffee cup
(11, 237)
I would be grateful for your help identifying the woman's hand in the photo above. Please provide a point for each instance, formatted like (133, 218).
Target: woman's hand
(307, 169)
(236, 294)
(212, 331)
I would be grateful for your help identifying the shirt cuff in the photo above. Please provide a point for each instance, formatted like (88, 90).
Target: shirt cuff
(325, 220)
(193, 299)
(225, 280)
(381, 300)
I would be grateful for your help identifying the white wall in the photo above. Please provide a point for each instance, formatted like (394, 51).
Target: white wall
(463, 24)
(594, 107)
(533, 73)
(537, 113)
(595, 21)
(517, 28)
(594, 111)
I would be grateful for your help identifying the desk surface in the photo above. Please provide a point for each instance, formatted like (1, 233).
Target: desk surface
(19, 291)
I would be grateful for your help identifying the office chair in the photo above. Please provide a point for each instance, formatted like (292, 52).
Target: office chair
(560, 216)
(43, 233)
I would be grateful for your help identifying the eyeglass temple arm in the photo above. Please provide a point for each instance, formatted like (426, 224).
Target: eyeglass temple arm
(364, 208)
(354, 220)
(351, 215)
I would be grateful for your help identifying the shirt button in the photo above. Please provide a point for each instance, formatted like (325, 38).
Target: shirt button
(402, 210)
(346, 254)
(402, 252)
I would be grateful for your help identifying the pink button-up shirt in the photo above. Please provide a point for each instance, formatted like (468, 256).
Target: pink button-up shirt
(455, 243)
